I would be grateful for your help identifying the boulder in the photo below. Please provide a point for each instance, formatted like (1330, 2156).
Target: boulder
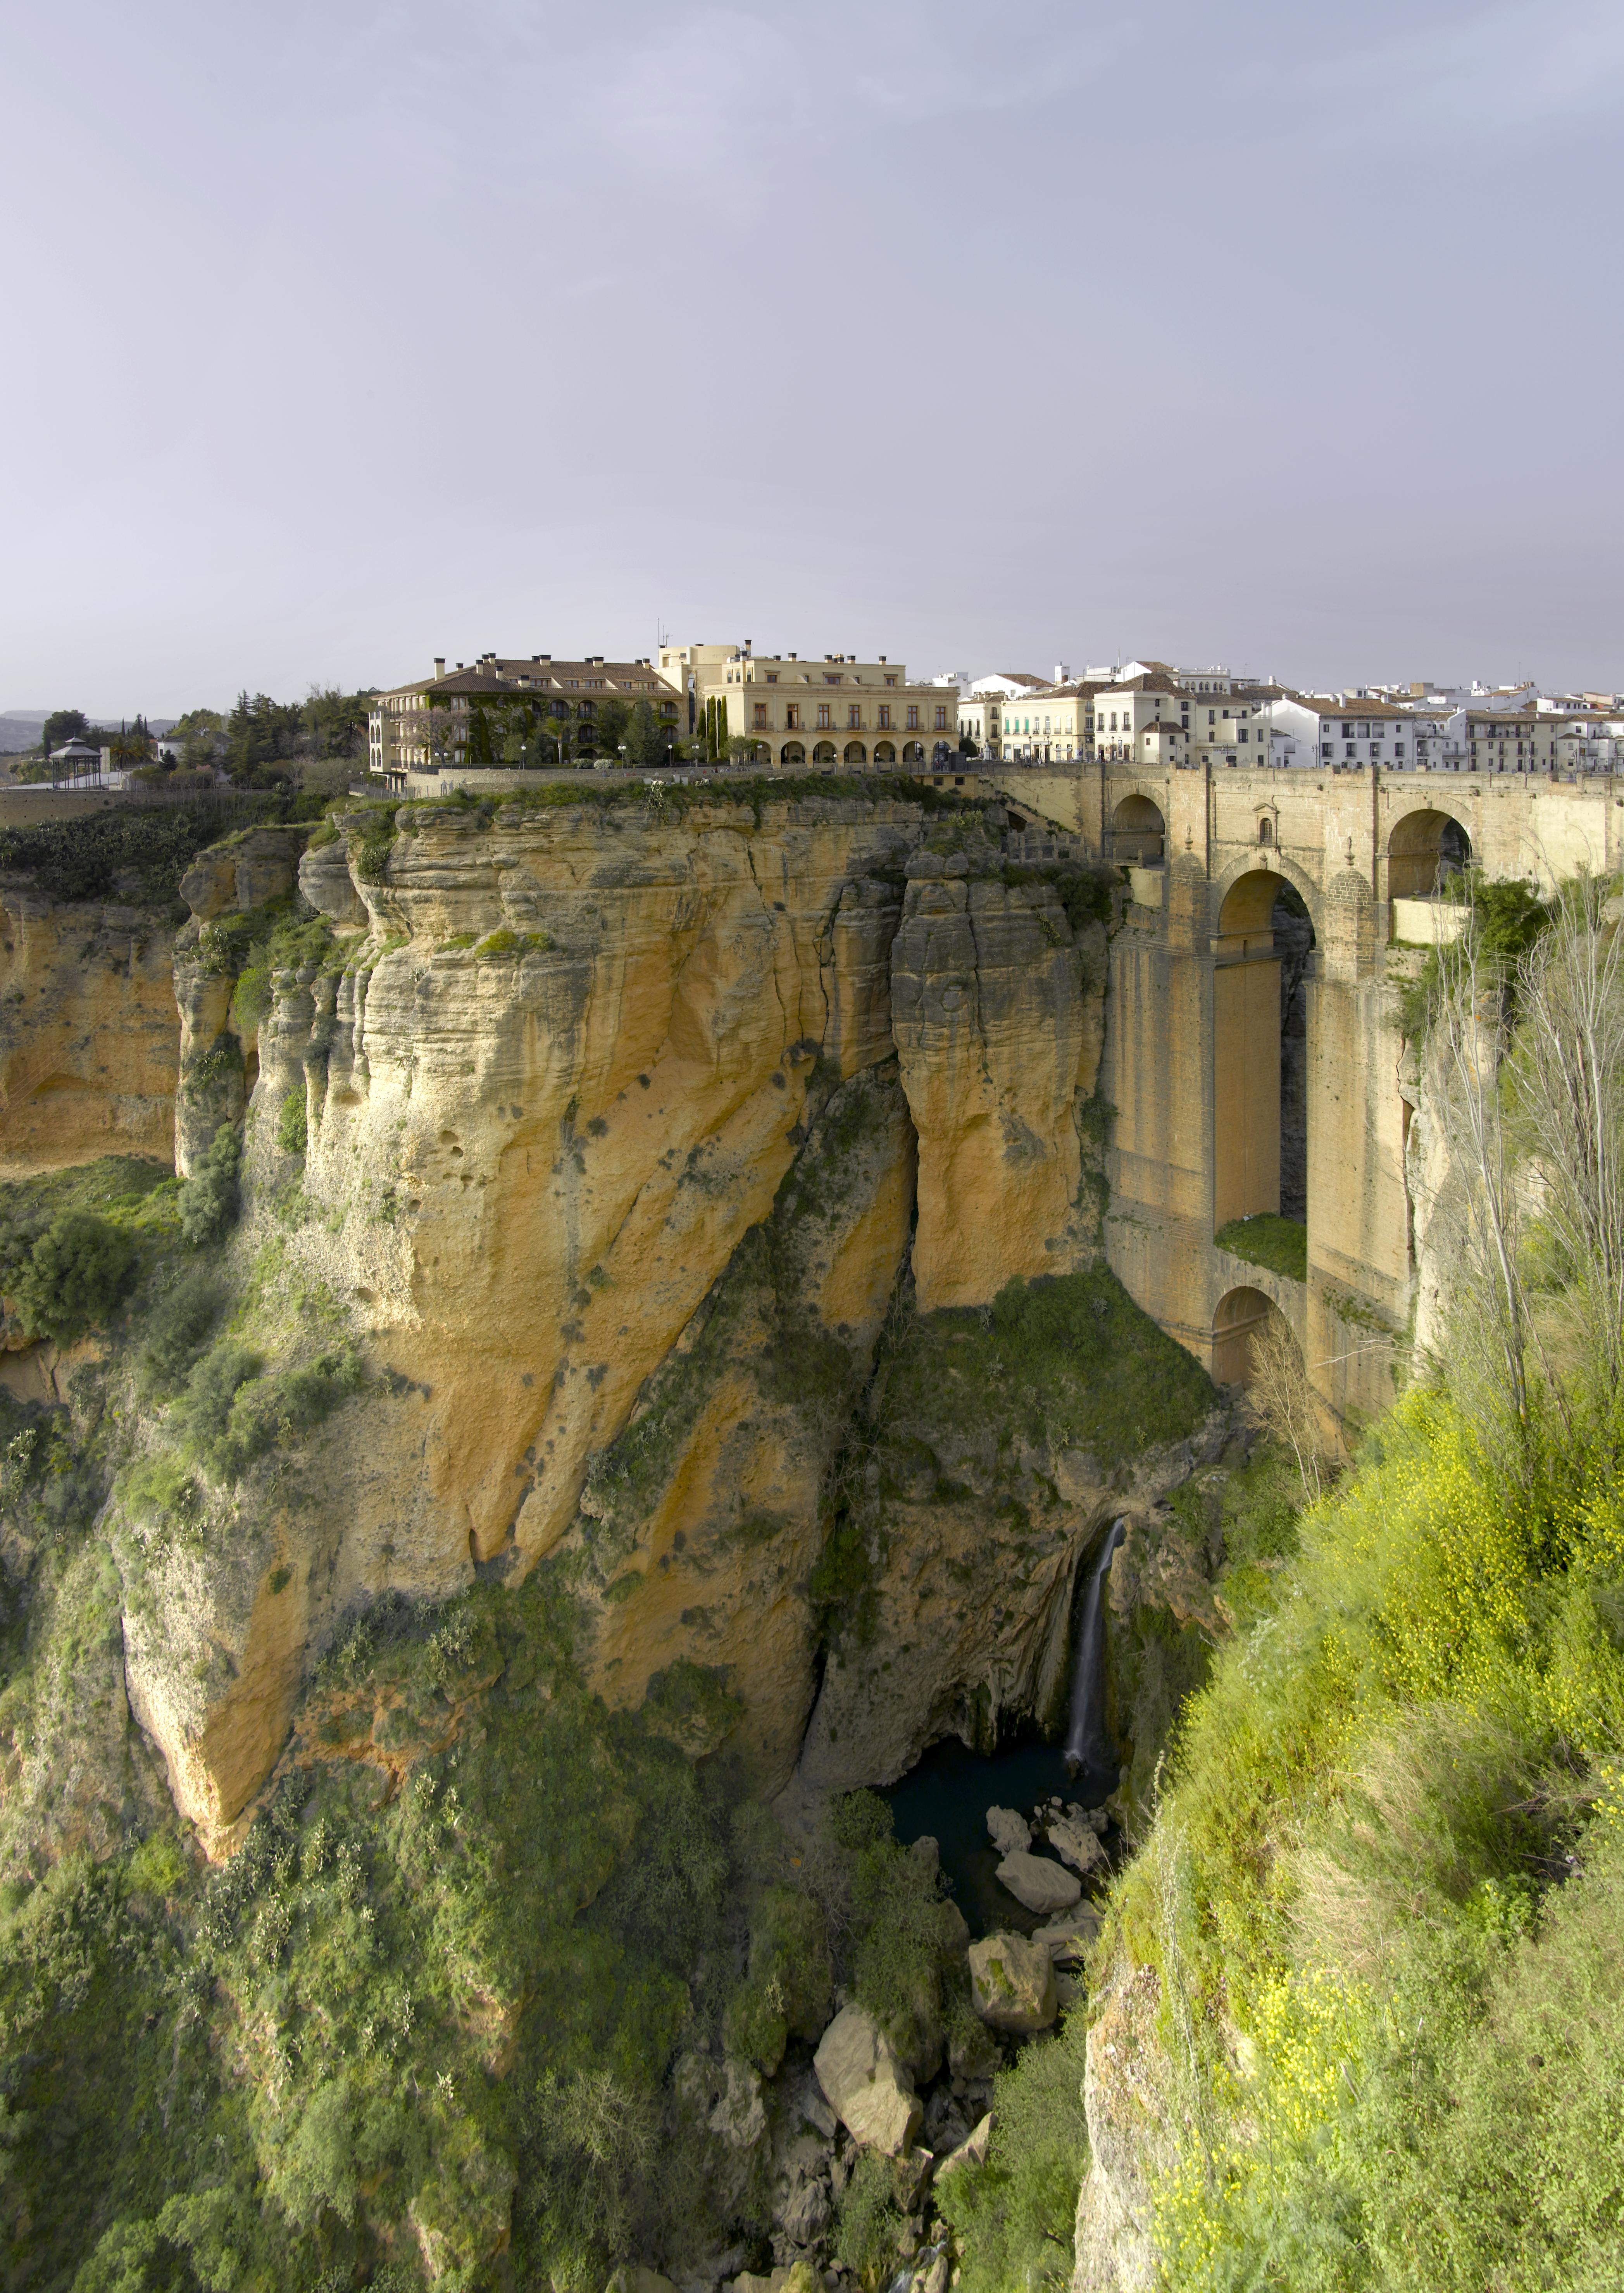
(972, 2151)
(1008, 1831)
(1069, 1938)
(868, 2089)
(1038, 1882)
(1012, 1983)
(632, 2277)
(938, 2276)
(1077, 1843)
(807, 2211)
(740, 2115)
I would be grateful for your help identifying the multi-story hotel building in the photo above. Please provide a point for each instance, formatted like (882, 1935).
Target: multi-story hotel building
(418, 726)
(836, 713)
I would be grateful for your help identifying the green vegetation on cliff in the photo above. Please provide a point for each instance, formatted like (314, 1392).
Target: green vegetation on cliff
(442, 1986)
(1379, 1912)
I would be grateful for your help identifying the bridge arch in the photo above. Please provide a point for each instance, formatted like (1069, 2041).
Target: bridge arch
(1139, 831)
(1423, 848)
(1278, 869)
(1241, 1317)
(1260, 962)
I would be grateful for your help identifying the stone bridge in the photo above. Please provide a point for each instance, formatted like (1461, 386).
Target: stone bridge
(1253, 1053)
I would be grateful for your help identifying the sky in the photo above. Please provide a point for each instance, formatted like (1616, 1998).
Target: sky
(344, 332)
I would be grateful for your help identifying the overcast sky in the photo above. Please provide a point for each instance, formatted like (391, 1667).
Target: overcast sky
(341, 333)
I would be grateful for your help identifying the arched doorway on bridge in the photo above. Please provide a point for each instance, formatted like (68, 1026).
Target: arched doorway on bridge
(1139, 833)
(1423, 851)
(1242, 1317)
(1261, 964)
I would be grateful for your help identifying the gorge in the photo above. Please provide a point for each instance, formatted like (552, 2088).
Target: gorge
(672, 1302)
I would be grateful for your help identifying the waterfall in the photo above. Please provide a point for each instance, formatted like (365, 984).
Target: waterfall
(1084, 1734)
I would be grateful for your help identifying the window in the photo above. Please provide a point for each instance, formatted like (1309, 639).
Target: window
(823, 715)
(913, 719)
(854, 717)
(891, 680)
(772, 677)
(1265, 831)
(885, 717)
(761, 716)
(941, 720)
(830, 680)
(791, 718)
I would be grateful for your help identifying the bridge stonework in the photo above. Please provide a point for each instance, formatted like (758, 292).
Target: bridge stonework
(1192, 1059)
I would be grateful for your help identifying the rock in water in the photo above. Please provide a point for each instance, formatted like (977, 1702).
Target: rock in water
(868, 2088)
(1077, 1843)
(1039, 1882)
(1008, 1831)
(1012, 1984)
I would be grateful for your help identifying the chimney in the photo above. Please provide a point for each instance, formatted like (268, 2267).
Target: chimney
(883, 659)
(439, 664)
(1062, 675)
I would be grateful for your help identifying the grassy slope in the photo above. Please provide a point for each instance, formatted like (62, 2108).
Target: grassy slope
(1390, 1842)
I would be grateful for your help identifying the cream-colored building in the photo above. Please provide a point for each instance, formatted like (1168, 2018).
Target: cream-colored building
(833, 714)
(1044, 725)
(419, 726)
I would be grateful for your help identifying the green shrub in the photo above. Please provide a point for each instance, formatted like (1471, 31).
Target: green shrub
(786, 1993)
(1279, 1244)
(231, 1412)
(78, 1272)
(209, 1199)
(292, 1123)
(870, 2220)
(175, 1326)
(1012, 2218)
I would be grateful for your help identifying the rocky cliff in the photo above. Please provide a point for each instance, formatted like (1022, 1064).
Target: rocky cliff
(87, 1030)
(613, 1136)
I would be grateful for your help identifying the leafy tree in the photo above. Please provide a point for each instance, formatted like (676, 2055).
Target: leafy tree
(335, 722)
(63, 725)
(260, 735)
(647, 741)
(614, 717)
(209, 1198)
(79, 1270)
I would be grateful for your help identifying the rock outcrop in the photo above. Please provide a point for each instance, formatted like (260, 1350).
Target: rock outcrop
(87, 1031)
(1000, 1038)
(867, 2087)
(1011, 1984)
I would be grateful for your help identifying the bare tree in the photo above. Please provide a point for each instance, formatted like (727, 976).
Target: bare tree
(1567, 1083)
(1279, 1392)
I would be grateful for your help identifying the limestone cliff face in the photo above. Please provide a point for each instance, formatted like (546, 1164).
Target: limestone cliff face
(217, 1068)
(612, 1118)
(87, 1032)
(1000, 1036)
